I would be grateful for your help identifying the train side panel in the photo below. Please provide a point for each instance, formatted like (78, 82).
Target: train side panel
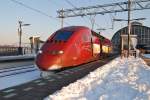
(79, 49)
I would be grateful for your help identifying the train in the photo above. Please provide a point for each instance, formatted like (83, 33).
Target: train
(72, 46)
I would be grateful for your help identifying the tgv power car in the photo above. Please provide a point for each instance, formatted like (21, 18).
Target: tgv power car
(72, 46)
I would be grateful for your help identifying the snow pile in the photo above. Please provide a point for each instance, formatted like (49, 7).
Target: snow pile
(121, 79)
(18, 79)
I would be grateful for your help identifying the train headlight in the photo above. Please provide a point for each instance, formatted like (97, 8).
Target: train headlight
(54, 67)
(40, 51)
(56, 52)
(60, 52)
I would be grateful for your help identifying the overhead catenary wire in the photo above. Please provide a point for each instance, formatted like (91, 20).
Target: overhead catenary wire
(35, 10)
(56, 4)
(31, 8)
(104, 9)
(72, 6)
(87, 16)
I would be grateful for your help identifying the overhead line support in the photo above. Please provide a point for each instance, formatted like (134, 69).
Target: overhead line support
(103, 9)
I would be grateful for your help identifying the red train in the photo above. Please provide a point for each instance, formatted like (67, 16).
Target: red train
(72, 46)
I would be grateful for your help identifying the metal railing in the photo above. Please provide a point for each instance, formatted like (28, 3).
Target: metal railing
(11, 51)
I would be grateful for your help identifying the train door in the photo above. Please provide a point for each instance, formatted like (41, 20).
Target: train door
(86, 47)
(76, 52)
(91, 39)
(96, 47)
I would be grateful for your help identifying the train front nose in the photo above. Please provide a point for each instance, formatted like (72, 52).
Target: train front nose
(47, 61)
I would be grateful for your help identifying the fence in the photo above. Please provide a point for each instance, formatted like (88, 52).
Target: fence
(11, 51)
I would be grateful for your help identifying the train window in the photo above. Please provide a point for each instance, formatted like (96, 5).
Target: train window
(65, 35)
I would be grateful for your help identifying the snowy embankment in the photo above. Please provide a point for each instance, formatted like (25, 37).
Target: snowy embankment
(121, 79)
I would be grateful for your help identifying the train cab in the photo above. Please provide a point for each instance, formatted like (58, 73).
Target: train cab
(66, 47)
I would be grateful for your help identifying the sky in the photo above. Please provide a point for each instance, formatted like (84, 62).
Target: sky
(43, 26)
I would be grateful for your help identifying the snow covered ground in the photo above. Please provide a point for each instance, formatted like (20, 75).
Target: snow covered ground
(14, 80)
(121, 79)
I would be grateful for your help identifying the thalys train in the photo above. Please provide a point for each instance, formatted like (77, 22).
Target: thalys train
(72, 46)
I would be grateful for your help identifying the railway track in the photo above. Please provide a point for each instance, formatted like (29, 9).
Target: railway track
(16, 70)
(46, 86)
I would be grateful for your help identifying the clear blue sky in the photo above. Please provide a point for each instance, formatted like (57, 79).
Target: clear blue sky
(43, 26)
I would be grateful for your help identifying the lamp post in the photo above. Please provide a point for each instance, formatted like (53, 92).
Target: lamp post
(20, 35)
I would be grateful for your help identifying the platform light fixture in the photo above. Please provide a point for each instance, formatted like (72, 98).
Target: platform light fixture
(20, 35)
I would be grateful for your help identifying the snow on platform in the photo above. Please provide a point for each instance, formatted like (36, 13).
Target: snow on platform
(121, 79)
(23, 76)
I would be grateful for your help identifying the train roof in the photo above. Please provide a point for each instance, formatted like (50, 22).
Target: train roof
(73, 28)
(98, 35)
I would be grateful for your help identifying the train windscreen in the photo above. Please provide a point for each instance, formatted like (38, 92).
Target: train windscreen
(63, 36)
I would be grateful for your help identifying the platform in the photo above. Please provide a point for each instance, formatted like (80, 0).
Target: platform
(16, 58)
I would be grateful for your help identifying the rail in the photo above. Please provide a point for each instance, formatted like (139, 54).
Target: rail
(7, 59)
(14, 71)
(11, 51)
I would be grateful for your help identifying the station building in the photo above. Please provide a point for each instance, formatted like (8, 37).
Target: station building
(141, 32)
